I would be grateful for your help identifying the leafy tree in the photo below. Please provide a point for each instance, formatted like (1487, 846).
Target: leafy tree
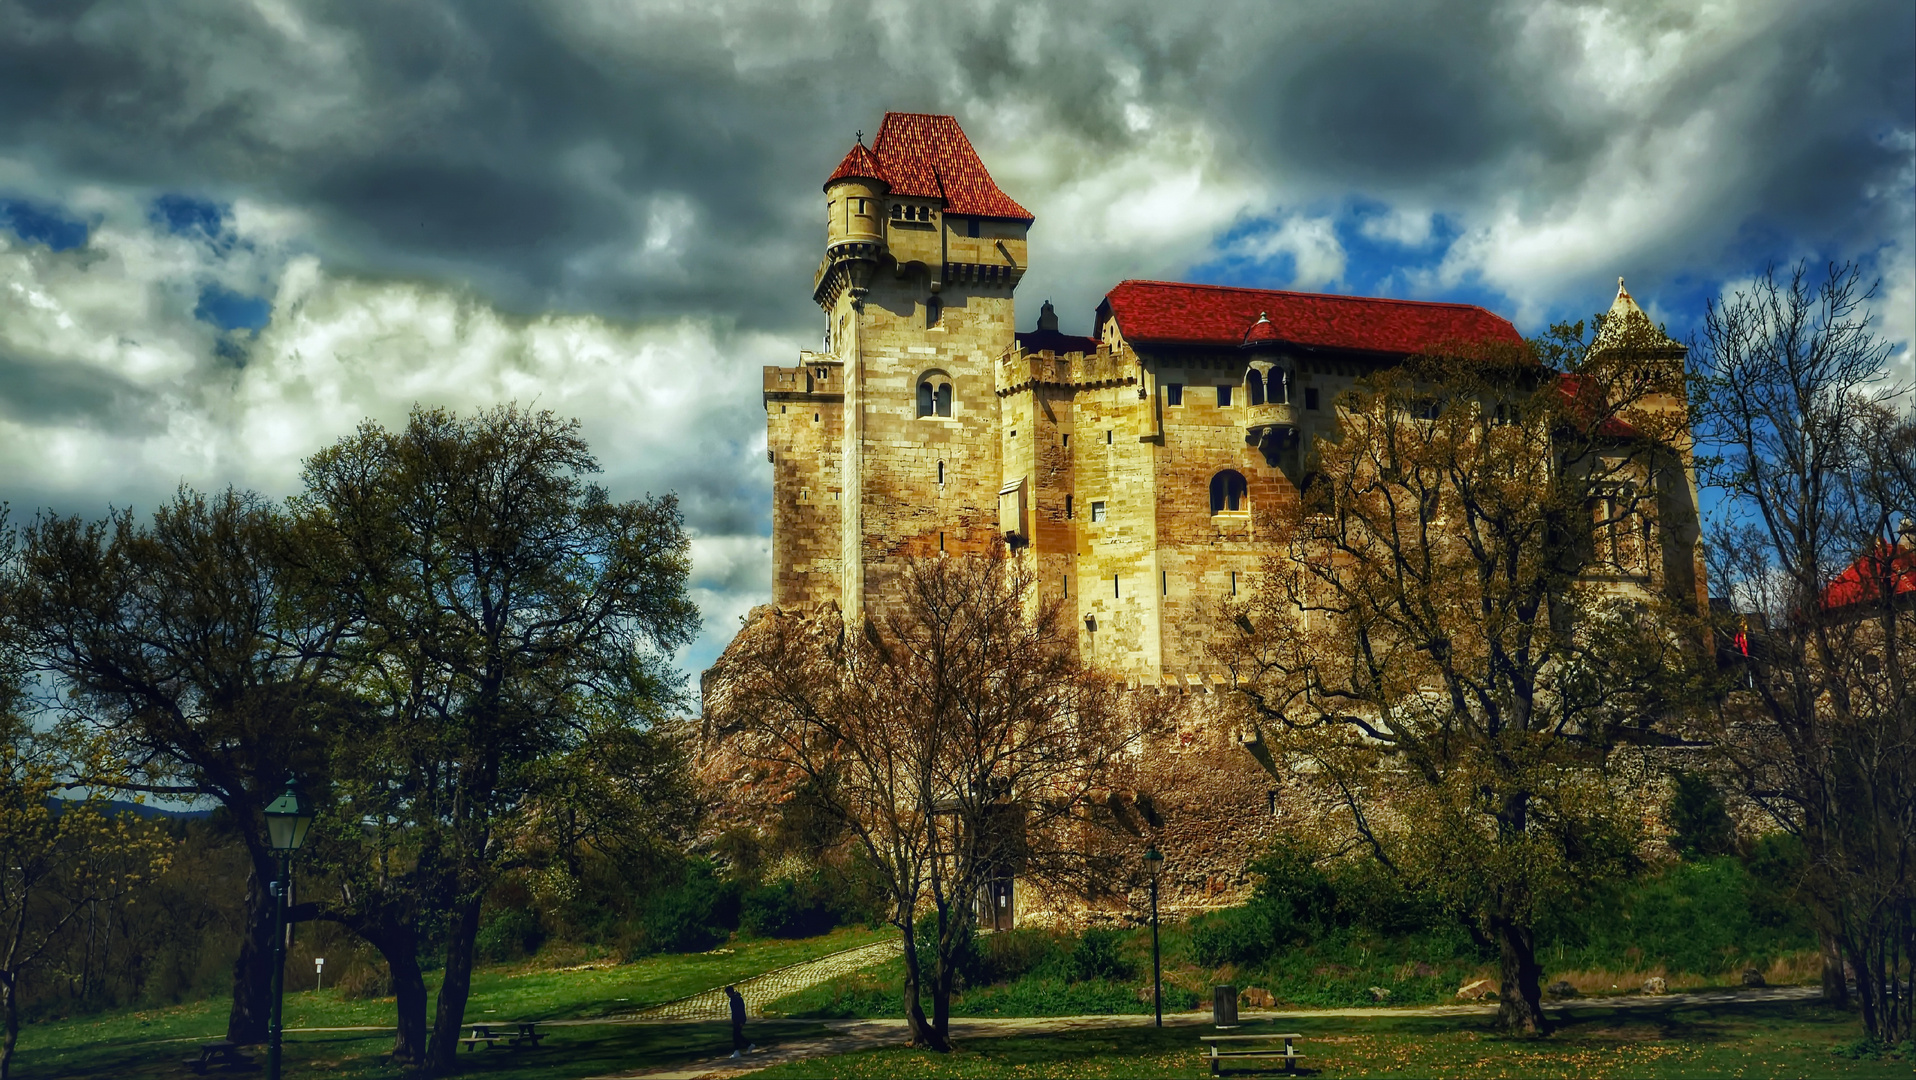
(177, 639)
(506, 616)
(955, 739)
(59, 856)
(1699, 821)
(1467, 616)
(1814, 451)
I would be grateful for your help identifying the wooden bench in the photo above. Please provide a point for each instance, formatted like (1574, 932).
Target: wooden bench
(1255, 1046)
(514, 1033)
(223, 1054)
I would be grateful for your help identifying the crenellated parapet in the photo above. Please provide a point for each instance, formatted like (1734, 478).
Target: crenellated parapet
(1021, 370)
(816, 379)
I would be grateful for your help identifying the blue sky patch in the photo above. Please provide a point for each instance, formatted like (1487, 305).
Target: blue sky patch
(230, 310)
(184, 215)
(42, 224)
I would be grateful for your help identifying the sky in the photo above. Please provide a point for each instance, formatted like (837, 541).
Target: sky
(232, 230)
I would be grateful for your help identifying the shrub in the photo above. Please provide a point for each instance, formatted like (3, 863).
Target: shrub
(790, 908)
(698, 913)
(510, 933)
(365, 978)
(1096, 956)
(1241, 935)
(1700, 824)
(1013, 954)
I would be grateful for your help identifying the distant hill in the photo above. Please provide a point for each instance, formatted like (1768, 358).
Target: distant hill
(116, 807)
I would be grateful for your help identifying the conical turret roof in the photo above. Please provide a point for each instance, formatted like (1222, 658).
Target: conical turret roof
(859, 164)
(1626, 324)
(1262, 331)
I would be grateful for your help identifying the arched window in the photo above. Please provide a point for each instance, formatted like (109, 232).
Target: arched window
(934, 310)
(1254, 385)
(1227, 492)
(934, 394)
(1279, 381)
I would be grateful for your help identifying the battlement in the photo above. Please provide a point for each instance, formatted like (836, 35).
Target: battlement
(816, 379)
(1021, 370)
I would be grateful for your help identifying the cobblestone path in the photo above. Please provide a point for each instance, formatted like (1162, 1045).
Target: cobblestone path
(761, 990)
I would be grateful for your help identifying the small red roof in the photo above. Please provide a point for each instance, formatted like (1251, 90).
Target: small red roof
(1261, 331)
(927, 156)
(1173, 313)
(1865, 578)
(860, 163)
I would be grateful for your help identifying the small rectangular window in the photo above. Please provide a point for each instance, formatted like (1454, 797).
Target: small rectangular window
(1097, 510)
(1173, 393)
(1014, 433)
(971, 226)
(1310, 398)
(1107, 437)
(1224, 397)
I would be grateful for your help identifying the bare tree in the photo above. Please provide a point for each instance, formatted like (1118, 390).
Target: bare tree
(1814, 451)
(957, 740)
(1455, 635)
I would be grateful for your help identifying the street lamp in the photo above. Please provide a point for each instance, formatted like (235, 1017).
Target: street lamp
(286, 825)
(1154, 862)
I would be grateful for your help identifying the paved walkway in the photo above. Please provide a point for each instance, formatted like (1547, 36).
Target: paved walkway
(761, 990)
(847, 1036)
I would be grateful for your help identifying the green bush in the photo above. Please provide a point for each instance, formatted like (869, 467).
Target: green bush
(509, 934)
(1097, 956)
(790, 908)
(694, 915)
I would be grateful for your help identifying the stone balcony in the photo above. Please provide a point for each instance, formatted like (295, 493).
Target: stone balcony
(1271, 427)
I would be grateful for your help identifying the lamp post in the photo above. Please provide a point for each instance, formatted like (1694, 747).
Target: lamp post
(1154, 862)
(286, 825)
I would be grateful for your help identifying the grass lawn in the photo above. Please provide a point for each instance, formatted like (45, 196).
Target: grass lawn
(86, 1045)
(1791, 1040)
(567, 1053)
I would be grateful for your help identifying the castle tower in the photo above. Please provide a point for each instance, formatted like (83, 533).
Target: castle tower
(892, 428)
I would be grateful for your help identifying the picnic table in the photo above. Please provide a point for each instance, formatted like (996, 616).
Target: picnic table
(1254, 1046)
(513, 1033)
(223, 1054)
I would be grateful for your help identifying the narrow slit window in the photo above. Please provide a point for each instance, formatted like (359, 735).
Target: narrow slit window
(1114, 586)
(1064, 584)
(1067, 506)
(1233, 583)
(1164, 583)
(1107, 436)
(1067, 439)
(941, 472)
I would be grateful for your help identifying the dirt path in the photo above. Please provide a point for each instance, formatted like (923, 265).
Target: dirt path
(760, 990)
(851, 1035)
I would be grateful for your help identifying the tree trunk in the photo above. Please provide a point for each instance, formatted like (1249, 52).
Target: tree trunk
(409, 993)
(1520, 992)
(450, 1016)
(253, 969)
(1835, 986)
(9, 991)
(921, 1032)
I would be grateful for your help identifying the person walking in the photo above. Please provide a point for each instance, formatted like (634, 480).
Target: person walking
(739, 1045)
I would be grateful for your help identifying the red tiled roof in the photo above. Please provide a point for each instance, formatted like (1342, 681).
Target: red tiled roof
(858, 162)
(1261, 331)
(1864, 578)
(1173, 313)
(1586, 403)
(929, 157)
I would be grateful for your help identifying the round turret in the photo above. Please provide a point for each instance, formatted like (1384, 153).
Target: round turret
(855, 204)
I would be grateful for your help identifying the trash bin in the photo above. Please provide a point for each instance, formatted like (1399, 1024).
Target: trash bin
(1224, 1006)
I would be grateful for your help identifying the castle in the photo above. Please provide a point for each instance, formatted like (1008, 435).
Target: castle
(1128, 466)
